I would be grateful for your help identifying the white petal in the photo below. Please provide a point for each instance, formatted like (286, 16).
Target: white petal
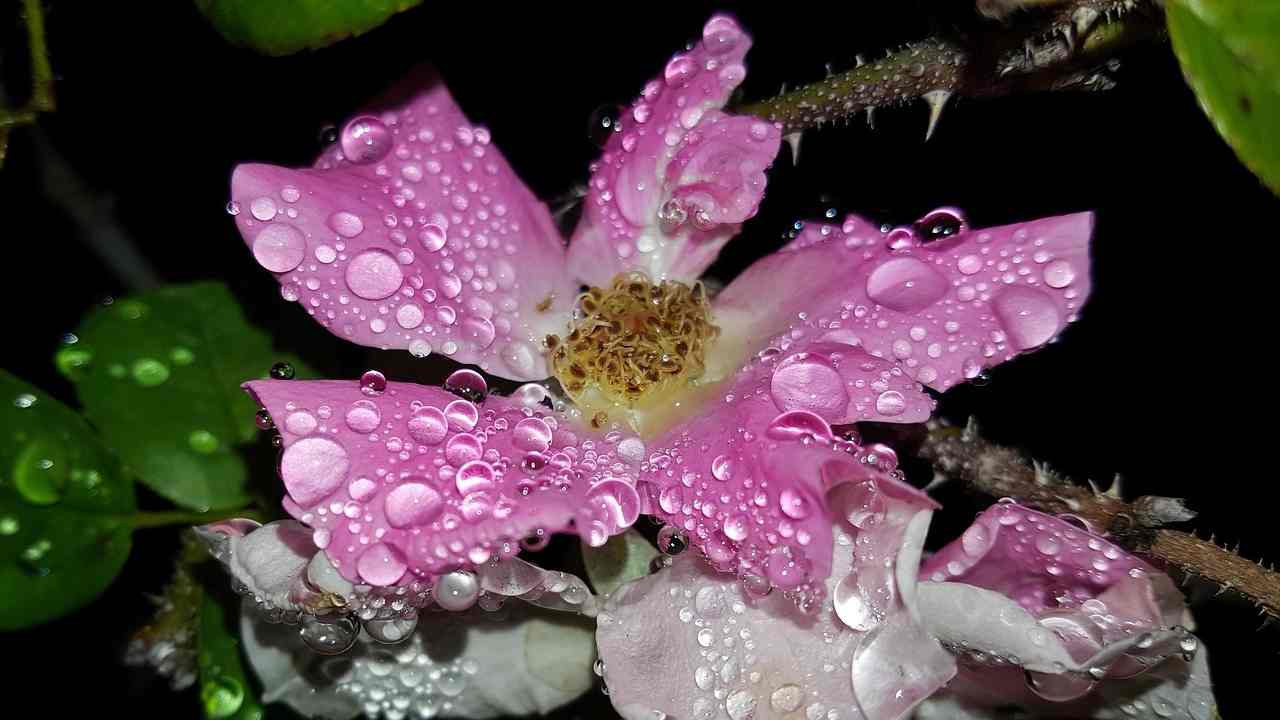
(985, 620)
(268, 560)
(475, 665)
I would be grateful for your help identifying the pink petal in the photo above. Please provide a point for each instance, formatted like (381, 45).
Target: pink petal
(1064, 601)
(747, 480)
(943, 310)
(678, 176)
(411, 481)
(412, 232)
(1038, 560)
(695, 645)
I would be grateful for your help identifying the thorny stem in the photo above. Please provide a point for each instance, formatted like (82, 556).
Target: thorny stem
(1137, 525)
(42, 98)
(181, 517)
(1055, 50)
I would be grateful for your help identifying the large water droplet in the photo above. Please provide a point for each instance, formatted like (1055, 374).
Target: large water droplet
(365, 139)
(329, 635)
(1029, 316)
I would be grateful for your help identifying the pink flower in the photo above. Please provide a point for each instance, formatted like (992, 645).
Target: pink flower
(1024, 610)
(412, 232)
(729, 418)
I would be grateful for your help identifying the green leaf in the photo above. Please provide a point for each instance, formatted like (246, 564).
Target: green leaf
(623, 559)
(159, 374)
(282, 27)
(225, 690)
(1230, 53)
(65, 508)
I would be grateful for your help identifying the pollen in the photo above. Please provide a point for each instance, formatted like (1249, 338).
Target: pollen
(633, 341)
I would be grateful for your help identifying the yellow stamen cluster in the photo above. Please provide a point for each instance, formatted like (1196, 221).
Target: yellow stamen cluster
(633, 340)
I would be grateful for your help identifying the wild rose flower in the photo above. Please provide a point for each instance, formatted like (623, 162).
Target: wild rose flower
(729, 418)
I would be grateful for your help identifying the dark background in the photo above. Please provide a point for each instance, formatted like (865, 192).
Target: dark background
(1158, 382)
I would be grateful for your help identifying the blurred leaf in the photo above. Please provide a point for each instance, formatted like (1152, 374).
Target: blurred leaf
(282, 27)
(159, 374)
(1230, 53)
(65, 508)
(623, 559)
(225, 690)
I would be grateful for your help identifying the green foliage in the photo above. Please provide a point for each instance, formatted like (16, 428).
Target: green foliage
(159, 374)
(1230, 53)
(283, 27)
(623, 559)
(65, 509)
(225, 690)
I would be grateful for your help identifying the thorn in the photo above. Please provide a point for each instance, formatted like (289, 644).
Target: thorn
(1114, 491)
(1043, 477)
(937, 100)
(793, 140)
(1097, 491)
(860, 60)
(970, 432)
(1083, 19)
(830, 72)
(871, 120)
(1069, 36)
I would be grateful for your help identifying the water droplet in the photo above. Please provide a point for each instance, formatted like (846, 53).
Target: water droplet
(456, 591)
(428, 425)
(467, 384)
(40, 472)
(222, 696)
(1060, 687)
(149, 372)
(34, 558)
(941, 223)
(381, 565)
(365, 140)
(906, 284)
(363, 416)
(72, 361)
(671, 541)
(786, 698)
(374, 275)
(279, 247)
(602, 123)
(1059, 274)
(373, 383)
(741, 705)
(411, 504)
(793, 504)
(391, 631)
(329, 635)
(282, 371)
(1029, 316)
(202, 441)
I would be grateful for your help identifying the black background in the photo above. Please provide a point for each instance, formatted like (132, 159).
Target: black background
(1160, 381)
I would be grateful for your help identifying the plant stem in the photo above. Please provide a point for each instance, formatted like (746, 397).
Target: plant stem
(185, 517)
(1054, 52)
(1137, 525)
(42, 96)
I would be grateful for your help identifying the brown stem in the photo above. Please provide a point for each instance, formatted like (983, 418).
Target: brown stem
(1137, 525)
(1052, 52)
(42, 97)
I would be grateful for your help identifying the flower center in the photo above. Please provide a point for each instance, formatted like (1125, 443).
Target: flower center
(632, 345)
